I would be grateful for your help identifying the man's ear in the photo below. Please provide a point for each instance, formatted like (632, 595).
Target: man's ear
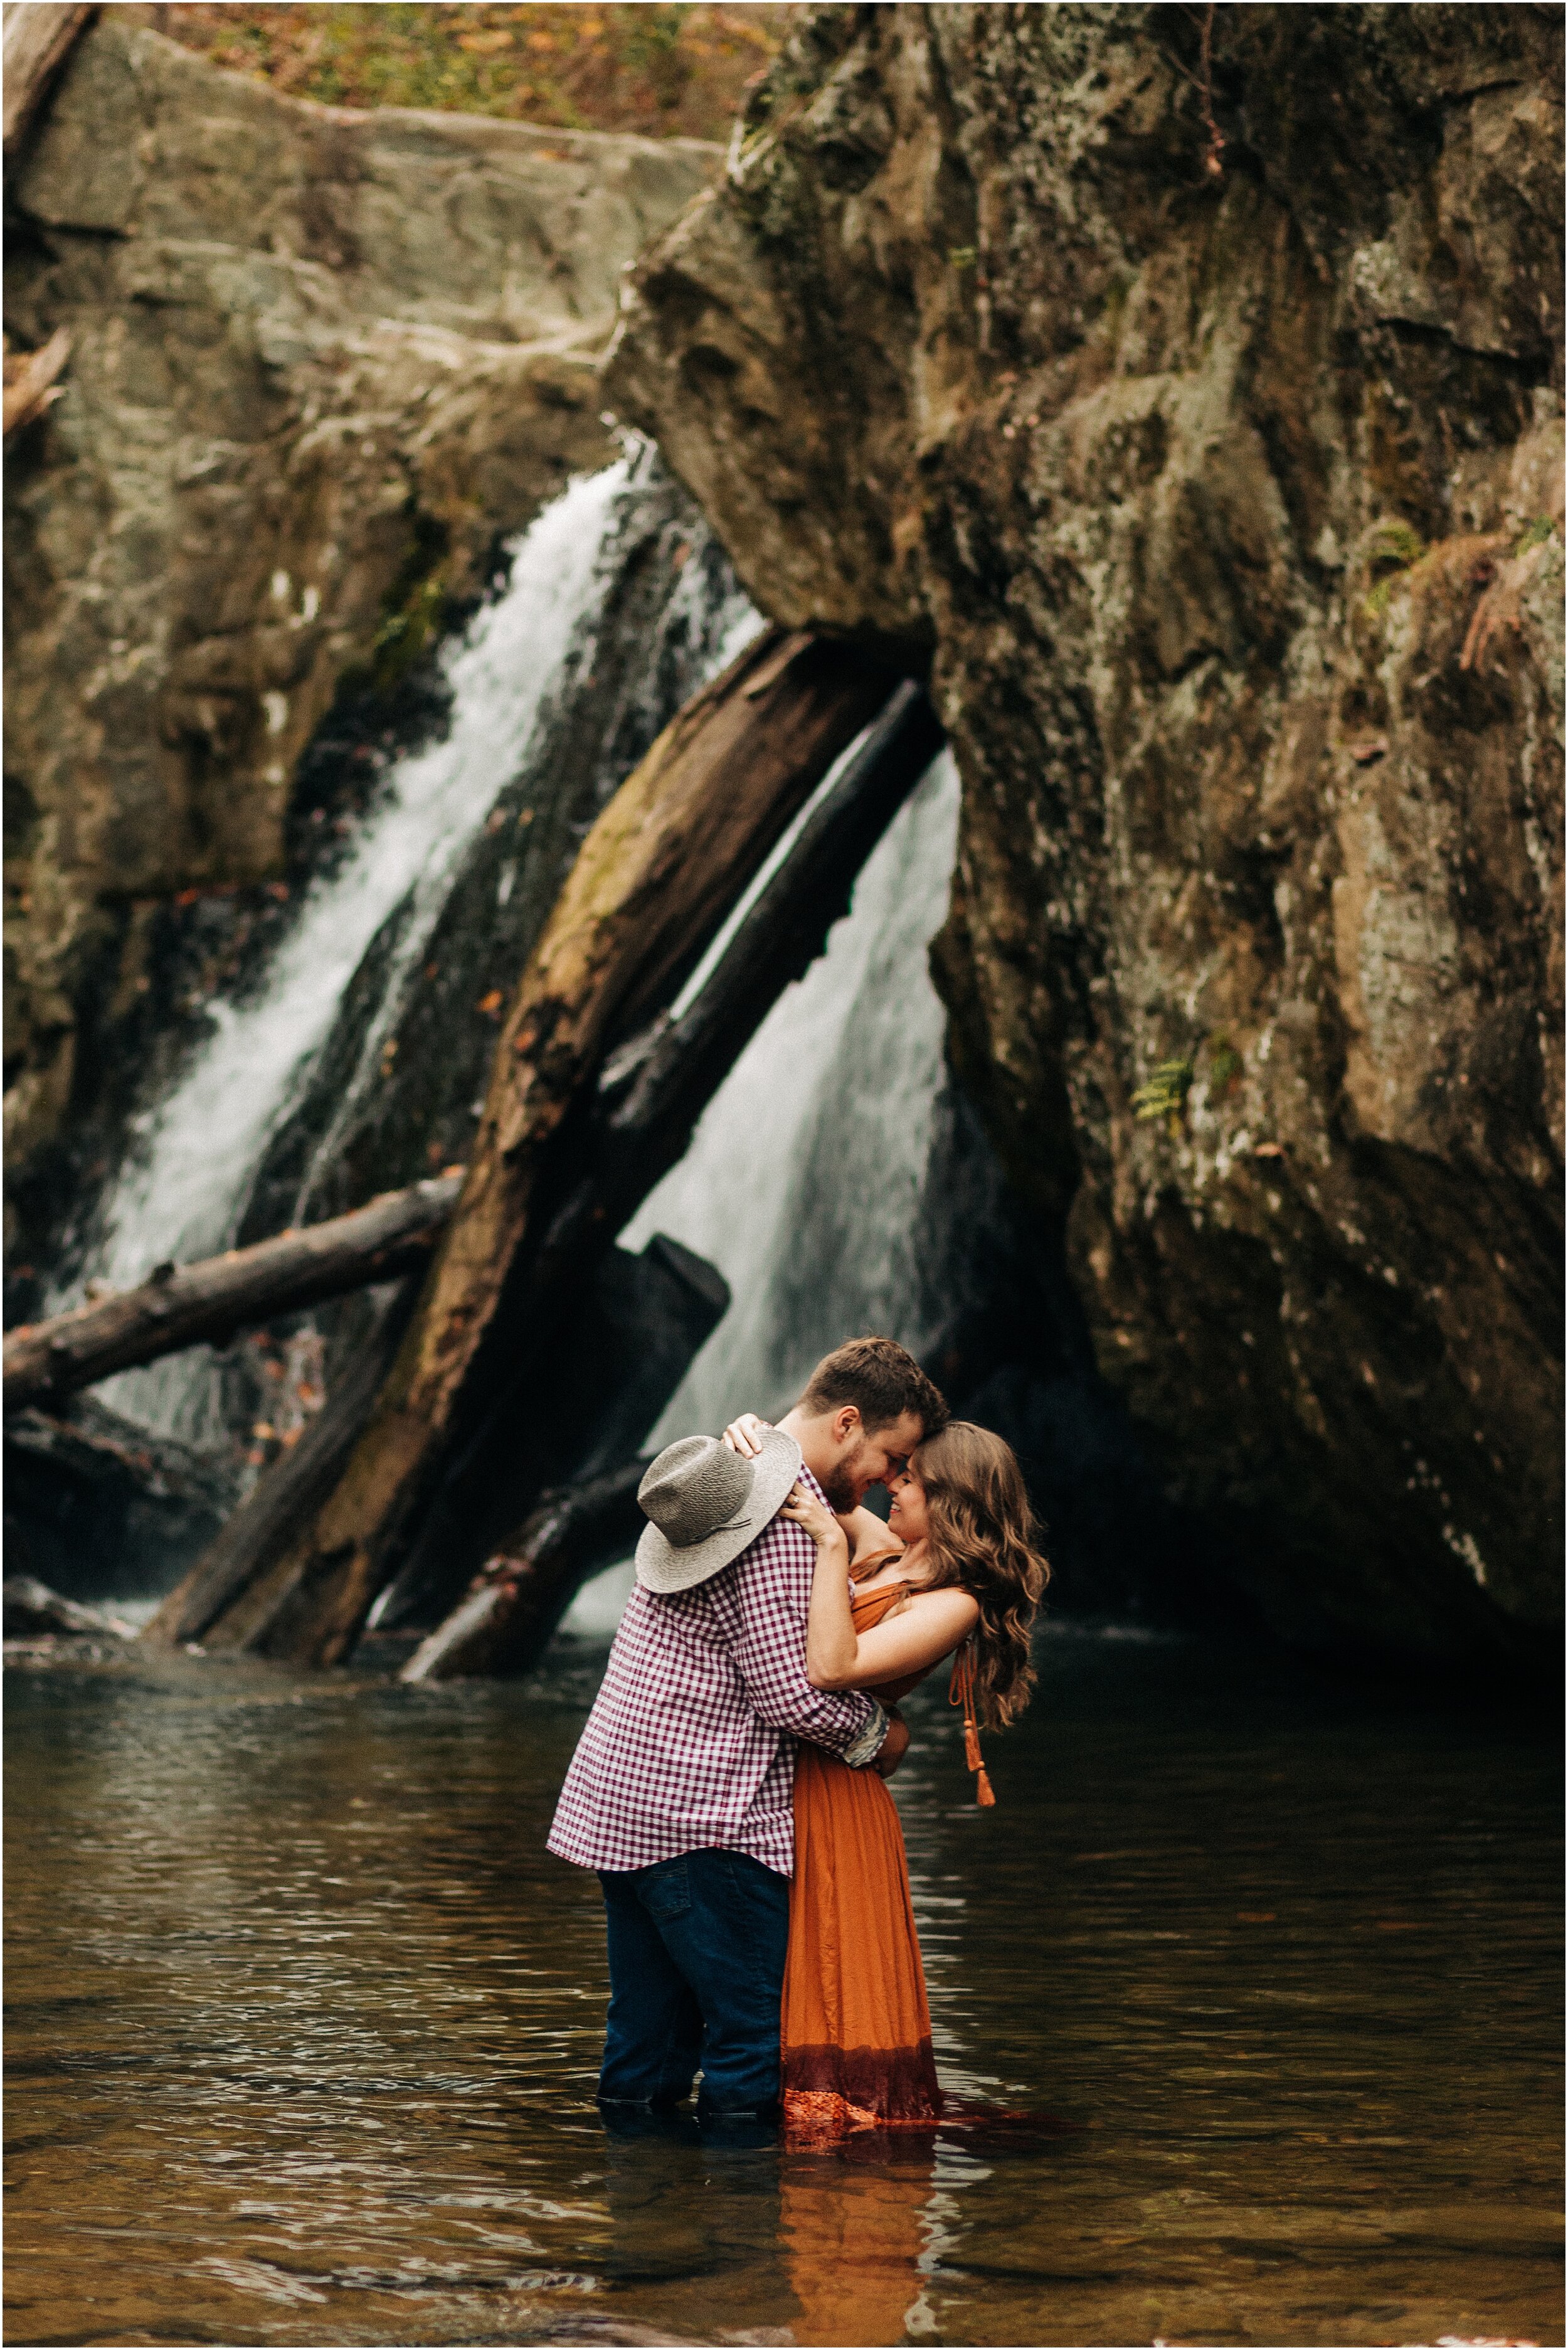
(846, 1421)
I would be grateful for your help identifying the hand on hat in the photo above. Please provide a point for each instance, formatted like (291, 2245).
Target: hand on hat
(740, 1436)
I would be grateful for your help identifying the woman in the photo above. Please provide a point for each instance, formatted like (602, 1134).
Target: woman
(954, 1569)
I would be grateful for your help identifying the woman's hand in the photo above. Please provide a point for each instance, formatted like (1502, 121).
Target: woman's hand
(894, 1747)
(818, 1521)
(741, 1435)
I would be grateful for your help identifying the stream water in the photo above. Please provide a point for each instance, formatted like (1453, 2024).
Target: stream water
(303, 2025)
(304, 2022)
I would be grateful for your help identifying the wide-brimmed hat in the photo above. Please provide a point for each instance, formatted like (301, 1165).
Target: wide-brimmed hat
(704, 1503)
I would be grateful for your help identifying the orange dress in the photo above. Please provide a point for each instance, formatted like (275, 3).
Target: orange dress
(857, 2029)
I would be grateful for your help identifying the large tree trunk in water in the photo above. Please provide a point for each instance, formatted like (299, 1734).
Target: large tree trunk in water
(648, 1100)
(655, 879)
(207, 1303)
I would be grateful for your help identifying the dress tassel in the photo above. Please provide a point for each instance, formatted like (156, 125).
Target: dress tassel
(960, 1691)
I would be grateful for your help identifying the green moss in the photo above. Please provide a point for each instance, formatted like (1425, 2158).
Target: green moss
(413, 617)
(1534, 534)
(1392, 548)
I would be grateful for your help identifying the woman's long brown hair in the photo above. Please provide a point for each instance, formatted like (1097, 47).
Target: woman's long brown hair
(981, 1534)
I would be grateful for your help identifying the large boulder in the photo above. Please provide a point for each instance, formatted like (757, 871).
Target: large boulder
(321, 362)
(1202, 431)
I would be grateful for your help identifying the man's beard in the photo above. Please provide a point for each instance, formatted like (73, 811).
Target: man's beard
(841, 1487)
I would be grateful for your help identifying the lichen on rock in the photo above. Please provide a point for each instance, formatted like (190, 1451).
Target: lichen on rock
(1226, 509)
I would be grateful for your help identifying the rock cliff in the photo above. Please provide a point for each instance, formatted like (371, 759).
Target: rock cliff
(1198, 423)
(322, 363)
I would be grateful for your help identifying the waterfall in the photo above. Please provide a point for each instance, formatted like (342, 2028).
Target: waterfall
(805, 1181)
(810, 1181)
(195, 1153)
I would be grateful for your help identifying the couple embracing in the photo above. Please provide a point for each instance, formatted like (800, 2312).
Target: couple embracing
(729, 1784)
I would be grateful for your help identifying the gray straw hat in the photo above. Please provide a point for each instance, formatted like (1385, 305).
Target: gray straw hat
(704, 1503)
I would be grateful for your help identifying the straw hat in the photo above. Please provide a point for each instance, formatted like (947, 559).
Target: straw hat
(704, 1503)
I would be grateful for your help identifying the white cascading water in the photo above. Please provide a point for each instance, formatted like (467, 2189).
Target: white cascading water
(803, 1183)
(193, 1159)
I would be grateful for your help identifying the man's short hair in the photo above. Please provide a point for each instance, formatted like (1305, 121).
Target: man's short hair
(880, 1380)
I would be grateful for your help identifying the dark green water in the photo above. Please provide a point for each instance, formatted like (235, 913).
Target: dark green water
(304, 2026)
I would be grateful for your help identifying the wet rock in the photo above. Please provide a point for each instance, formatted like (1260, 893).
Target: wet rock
(103, 1509)
(321, 362)
(1225, 506)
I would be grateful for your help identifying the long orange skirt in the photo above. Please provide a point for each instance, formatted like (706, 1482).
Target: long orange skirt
(857, 2028)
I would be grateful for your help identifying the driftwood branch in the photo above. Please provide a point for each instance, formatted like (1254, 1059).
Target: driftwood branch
(38, 38)
(515, 1606)
(655, 879)
(207, 1303)
(30, 385)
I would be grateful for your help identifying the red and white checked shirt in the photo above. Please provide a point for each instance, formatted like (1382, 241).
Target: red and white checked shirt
(691, 1741)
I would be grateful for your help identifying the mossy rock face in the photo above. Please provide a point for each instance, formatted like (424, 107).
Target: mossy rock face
(1226, 507)
(320, 363)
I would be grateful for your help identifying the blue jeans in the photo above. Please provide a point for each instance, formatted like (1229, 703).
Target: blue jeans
(697, 1952)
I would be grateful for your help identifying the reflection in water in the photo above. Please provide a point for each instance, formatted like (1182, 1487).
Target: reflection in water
(305, 2026)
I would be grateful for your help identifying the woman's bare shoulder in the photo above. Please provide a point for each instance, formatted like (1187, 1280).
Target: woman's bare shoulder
(955, 1605)
(868, 1532)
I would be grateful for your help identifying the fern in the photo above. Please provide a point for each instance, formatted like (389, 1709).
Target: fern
(1164, 1095)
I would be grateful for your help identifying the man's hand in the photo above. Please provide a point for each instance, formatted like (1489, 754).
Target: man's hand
(894, 1747)
(741, 1435)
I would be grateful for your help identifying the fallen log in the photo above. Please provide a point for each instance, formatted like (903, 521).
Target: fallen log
(295, 1483)
(31, 1608)
(516, 1606)
(208, 1302)
(655, 879)
(37, 40)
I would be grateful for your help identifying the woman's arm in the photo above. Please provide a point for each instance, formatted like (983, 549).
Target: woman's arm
(830, 1643)
(929, 1624)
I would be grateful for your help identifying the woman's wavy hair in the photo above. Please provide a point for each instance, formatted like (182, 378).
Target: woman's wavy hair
(980, 1535)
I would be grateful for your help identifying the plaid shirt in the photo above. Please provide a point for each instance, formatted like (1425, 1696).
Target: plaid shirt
(692, 1736)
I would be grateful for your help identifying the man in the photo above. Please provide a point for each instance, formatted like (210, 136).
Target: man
(680, 1791)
